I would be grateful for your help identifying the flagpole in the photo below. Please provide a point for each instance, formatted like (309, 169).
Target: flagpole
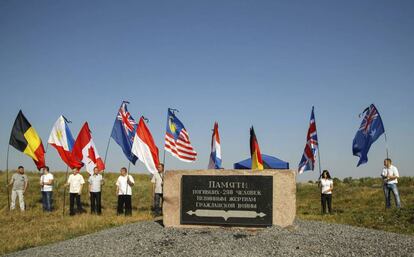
(319, 148)
(7, 177)
(64, 191)
(386, 144)
(103, 172)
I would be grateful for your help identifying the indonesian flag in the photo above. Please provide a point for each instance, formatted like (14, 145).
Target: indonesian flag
(144, 147)
(85, 151)
(61, 138)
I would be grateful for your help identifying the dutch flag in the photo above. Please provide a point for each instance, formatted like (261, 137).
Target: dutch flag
(215, 156)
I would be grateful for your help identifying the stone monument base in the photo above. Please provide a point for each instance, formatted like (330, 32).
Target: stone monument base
(282, 197)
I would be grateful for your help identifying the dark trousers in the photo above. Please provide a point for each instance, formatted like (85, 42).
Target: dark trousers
(157, 204)
(72, 197)
(326, 199)
(124, 205)
(47, 200)
(96, 202)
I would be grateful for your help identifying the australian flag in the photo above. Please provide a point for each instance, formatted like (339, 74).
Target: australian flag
(370, 130)
(308, 158)
(124, 131)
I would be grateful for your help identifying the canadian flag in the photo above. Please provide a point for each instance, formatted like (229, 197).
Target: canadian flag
(144, 147)
(85, 150)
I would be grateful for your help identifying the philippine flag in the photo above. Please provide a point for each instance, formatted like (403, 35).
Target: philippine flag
(85, 151)
(145, 148)
(61, 138)
(215, 156)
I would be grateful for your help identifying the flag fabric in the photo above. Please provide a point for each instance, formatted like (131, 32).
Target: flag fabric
(177, 140)
(62, 140)
(124, 130)
(370, 130)
(257, 162)
(24, 138)
(84, 150)
(309, 153)
(215, 156)
(145, 148)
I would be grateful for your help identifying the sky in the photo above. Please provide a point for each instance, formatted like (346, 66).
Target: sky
(240, 63)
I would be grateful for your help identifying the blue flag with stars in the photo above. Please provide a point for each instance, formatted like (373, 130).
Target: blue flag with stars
(370, 130)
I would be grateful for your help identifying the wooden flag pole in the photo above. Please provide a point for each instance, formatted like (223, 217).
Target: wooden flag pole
(64, 191)
(103, 172)
(7, 177)
(386, 144)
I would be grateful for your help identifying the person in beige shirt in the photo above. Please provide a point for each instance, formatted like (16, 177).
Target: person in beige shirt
(75, 183)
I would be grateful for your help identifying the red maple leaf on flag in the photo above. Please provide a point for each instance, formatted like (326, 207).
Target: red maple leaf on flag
(91, 154)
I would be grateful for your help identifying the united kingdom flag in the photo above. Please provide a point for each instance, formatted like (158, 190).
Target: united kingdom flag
(308, 158)
(124, 130)
(369, 131)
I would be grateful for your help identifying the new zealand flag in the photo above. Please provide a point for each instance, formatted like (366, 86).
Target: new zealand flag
(124, 131)
(370, 130)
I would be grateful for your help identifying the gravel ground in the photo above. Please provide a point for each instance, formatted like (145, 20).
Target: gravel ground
(305, 238)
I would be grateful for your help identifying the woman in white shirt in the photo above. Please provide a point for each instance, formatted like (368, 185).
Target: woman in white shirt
(326, 185)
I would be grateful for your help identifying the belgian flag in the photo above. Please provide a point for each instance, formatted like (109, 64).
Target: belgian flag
(25, 139)
(257, 162)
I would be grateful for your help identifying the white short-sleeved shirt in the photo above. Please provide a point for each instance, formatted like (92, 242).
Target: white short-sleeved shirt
(391, 171)
(124, 187)
(46, 178)
(75, 182)
(95, 181)
(157, 180)
(325, 185)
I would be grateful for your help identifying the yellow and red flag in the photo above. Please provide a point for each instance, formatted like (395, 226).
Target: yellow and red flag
(257, 162)
(25, 139)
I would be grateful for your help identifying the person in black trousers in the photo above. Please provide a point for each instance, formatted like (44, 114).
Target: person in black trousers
(75, 183)
(326, 184)
(124, 186)
(95, 185)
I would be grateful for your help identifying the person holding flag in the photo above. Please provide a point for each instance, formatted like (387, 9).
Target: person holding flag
(46, 187)
(124, 185)
(75, 183)
(215, 155)
(20, 182)
(390, 177)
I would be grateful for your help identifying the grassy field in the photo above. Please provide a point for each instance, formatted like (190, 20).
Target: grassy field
(360, 202)
(356, 202)
(21, 230)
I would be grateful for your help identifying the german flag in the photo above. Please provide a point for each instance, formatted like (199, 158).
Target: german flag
(257, 162)
(25, 139)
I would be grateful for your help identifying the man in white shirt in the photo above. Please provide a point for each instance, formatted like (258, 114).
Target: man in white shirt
(390, 177)
(95, 183)
(75, 183)
(124, 186)
(46, 187)
(157, 189)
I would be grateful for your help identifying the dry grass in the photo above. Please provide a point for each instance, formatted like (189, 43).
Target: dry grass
(21, 230)
(360, 202)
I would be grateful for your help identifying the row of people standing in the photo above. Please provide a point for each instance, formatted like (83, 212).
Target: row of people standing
(75, 182)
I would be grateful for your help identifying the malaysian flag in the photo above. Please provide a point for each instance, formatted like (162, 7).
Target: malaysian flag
(177, 141)
(370, 130)
(308, 158)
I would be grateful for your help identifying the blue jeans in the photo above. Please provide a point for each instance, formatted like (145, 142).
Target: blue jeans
(388, 188)
(47, 200)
